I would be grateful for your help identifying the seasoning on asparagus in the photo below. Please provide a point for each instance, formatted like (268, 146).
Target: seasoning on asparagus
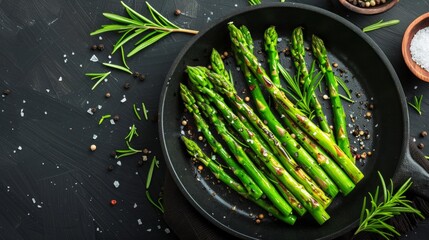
(297, 116)
(340, 123)
(271, 162)
(195, 151)
(203, 127)
(297, 51)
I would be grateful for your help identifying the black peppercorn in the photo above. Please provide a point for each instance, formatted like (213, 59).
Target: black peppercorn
(100, 47)
(127, 85)
(420, 145)
(110, 168)
(107, 95)
(177, 12)
(6, 92)
(142, 77)
(93, 110)
(423, 134)
(94, 47)
(116, 118)
(136, 74)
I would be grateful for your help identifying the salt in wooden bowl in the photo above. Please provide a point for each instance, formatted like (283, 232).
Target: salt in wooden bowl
(418, 24)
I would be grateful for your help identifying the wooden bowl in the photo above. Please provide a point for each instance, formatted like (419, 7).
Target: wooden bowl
(370, 10)
(419, 23)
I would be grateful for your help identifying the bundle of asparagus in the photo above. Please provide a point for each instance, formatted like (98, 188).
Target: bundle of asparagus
(286, 170)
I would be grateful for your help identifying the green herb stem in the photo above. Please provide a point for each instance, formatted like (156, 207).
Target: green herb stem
(417, 104)
(144, 111)
(132, 133)
(126, 152)
(97, 76)
(103, 118)
(380, 24)
(374, 219)
(136, 112)
(115, 66)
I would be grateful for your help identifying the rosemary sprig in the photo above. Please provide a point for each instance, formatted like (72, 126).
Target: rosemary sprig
(119, 67)
(103, 118)
(136, 24)
(380, 24)
(148, 181)
(417, 104)
(97, 76)
(374, 219)
(131, 133)
(127, 152)
(301, 96)
(343, 85)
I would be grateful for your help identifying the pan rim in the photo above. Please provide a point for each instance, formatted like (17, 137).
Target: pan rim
(346, 23)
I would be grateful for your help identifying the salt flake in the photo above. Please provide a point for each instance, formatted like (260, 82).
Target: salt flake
(116, 184)
(93, 58)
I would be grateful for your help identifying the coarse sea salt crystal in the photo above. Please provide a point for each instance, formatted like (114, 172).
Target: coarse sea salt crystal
(22, 112)
(139, 221)
(93, 58)
(419, 48)
(116, 184)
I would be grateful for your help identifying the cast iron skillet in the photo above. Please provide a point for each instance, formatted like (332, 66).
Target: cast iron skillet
(373, 76)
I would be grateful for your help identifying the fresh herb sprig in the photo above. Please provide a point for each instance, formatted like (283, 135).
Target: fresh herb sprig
(119, 67)
(136, 24)
(417, 104)
(374, 219)
(127, 152)
(301, 96)
(380, 24)
(97, 76)
(131, 133)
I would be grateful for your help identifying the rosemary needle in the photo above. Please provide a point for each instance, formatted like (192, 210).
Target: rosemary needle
(97, 76)
(380, 24)
(136, 112)
(123, 58)
(132, 133)
(417, 104)
(103, 118)
(111, 65)
(148, 182)
(144, 111)
(126, 152)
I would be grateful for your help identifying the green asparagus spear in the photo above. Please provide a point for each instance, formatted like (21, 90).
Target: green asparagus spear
(218, 67)
(297, 116)
(196, 76)
(203, 127)
(280, 141)
(235, 148)
(270, 44)
(195, 151)
(340, 124)
(297, 51)
(287, 195)
(344, 183)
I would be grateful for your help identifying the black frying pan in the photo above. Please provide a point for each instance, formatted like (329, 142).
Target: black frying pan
(370, 74)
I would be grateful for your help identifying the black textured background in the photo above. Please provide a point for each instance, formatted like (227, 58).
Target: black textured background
(51, 185)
